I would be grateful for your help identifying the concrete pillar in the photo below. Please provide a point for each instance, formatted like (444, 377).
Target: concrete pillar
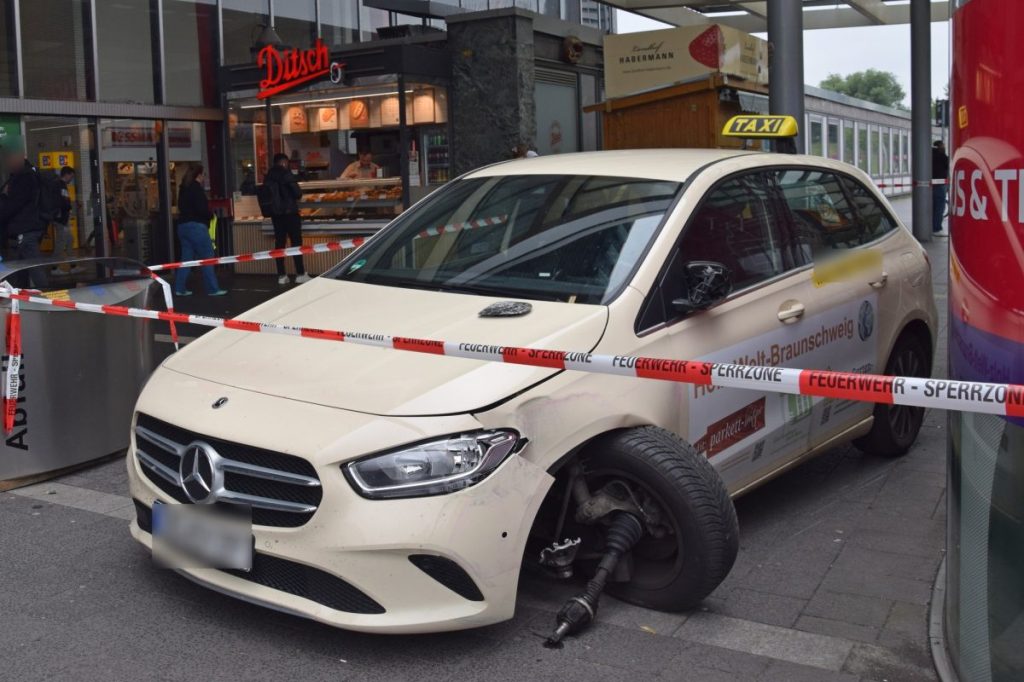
(786, 64)
(920, 117)
(492, 89)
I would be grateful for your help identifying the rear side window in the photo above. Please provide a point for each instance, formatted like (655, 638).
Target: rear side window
(874, 217)
(828, 211)
(820, 214)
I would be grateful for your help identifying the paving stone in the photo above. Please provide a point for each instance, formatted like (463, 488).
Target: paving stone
(879, 663)
(855, 582)
(784, 581)
(781, 671)
(742, 665)
(759, 639)
(624, 648)
(762, 607)
(851, 608)
(615, 612)
(897, 542)
(837, 628)
(907, 617)
(882, 564)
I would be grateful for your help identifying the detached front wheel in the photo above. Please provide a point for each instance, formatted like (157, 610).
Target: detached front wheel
(691, 533)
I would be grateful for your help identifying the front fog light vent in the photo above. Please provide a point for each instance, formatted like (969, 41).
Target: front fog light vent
(449, 574)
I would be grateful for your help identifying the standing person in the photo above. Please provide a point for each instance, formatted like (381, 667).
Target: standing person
(194, 216)
(62, 239)
(20, 216)
(940, 171)
(286, 219)
(362, 169)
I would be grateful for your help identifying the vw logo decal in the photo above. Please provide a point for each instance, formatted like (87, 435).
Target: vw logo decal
(200, 473)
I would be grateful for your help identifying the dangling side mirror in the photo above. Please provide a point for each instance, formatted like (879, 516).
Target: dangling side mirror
(707, 284)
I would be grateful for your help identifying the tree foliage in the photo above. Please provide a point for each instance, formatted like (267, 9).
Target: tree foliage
(880, 87)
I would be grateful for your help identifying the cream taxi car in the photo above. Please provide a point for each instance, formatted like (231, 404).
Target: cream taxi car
(402, 492)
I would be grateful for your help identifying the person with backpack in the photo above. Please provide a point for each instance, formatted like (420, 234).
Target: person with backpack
(279, 196)
(194, 217)
(62, 238)
(22, 213)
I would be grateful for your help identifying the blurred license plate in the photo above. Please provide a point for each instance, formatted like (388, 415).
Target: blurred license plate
(193, 536)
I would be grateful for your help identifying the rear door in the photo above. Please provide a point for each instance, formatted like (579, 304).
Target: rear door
(838, 224)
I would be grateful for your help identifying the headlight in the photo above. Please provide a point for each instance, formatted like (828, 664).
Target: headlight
(433, 468)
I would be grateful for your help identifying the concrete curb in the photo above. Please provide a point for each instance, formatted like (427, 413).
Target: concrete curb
(936, 630)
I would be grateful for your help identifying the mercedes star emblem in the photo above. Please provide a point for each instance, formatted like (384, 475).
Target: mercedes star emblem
(198, 471)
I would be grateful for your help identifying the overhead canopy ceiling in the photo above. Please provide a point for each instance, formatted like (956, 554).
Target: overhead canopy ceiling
(752, 17)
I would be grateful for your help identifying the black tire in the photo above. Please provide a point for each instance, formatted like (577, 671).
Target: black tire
(694, 505)
(896, 426)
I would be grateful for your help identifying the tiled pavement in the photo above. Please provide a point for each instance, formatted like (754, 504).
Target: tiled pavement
(832, 582)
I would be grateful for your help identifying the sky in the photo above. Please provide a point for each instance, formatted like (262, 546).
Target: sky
(845, 50)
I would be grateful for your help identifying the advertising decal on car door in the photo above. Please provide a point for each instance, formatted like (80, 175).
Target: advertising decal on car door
(744, 427)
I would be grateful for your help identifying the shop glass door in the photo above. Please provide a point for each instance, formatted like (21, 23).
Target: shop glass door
(51, 144)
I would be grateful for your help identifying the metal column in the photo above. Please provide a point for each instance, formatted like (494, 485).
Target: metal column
(786, 62)
(920, 117)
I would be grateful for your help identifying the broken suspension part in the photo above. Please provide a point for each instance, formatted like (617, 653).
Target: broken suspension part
(558, 558)
(577, 613)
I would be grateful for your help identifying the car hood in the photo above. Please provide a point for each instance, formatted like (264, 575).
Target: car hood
(380, 380)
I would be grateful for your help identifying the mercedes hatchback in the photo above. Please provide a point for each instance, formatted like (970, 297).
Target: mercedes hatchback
(399, 492)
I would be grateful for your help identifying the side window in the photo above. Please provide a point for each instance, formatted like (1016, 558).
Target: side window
(736, 226)
(875, 219)
(819, 214)
(740, 224)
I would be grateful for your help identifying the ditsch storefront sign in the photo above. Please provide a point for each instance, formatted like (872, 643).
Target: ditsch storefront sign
(285, 69)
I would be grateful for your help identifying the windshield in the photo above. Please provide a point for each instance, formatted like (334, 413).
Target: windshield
(551, 237)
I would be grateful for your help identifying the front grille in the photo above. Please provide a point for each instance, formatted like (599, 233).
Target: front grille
(291, 577)
(283, 490)
(449, 574)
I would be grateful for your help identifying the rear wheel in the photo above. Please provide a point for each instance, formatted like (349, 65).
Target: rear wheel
(896, 426)
(691, 533)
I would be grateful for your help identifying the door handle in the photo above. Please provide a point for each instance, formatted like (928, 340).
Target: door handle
(880, 282)
(791, 311)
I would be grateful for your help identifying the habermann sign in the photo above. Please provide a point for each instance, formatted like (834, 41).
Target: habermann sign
(286, 69)
(635, 62)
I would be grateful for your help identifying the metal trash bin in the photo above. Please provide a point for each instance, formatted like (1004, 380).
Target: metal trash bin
(80, 372)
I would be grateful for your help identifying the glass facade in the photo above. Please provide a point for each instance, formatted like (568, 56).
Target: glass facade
(242, 21)
(56, 49)
(8, 50)
(295, 22)
(125, 66)
(166, 53)
(190, 52)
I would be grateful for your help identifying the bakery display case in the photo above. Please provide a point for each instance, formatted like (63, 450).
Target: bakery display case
(330, 210)
(374, 200)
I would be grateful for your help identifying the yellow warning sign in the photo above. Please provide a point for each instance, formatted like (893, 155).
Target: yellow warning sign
(60, 295)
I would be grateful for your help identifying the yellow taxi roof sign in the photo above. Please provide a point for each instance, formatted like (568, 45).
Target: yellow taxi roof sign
(761, 126)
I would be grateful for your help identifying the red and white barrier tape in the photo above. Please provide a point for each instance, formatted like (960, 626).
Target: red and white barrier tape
(935, 181)
(12, 377)
(168, 303)
(967, 396)
(303, 250)
(324, 247)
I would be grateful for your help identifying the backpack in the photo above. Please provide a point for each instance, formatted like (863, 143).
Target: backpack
(270, 199)
(51, 196)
